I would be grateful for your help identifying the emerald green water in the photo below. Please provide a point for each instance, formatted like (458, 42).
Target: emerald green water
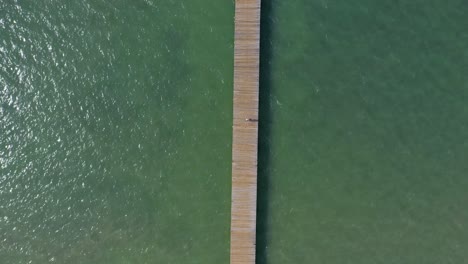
(364, 134)
(115, 131)
(115, 128)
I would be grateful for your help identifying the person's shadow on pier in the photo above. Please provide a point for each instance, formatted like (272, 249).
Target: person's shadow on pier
(264, 135)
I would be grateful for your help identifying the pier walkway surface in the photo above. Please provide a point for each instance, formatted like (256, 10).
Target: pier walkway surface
(245, 131)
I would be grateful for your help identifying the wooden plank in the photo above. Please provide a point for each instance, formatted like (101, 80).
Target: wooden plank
(245, 131)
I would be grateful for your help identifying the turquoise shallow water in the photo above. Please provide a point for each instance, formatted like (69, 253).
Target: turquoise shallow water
(115, 120)
(364, 134)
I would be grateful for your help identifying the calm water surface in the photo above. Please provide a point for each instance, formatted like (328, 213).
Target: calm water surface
(115, 128)
(115, 121)
(364, 132)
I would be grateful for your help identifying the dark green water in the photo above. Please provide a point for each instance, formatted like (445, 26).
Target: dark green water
(364, 140)
(115, 128)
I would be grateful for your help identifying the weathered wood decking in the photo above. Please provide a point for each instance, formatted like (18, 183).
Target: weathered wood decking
(245, 131)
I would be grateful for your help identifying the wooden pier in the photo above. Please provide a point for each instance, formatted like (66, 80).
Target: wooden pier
(245, 131)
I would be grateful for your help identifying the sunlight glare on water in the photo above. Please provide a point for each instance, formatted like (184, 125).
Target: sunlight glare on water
(105, 152)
